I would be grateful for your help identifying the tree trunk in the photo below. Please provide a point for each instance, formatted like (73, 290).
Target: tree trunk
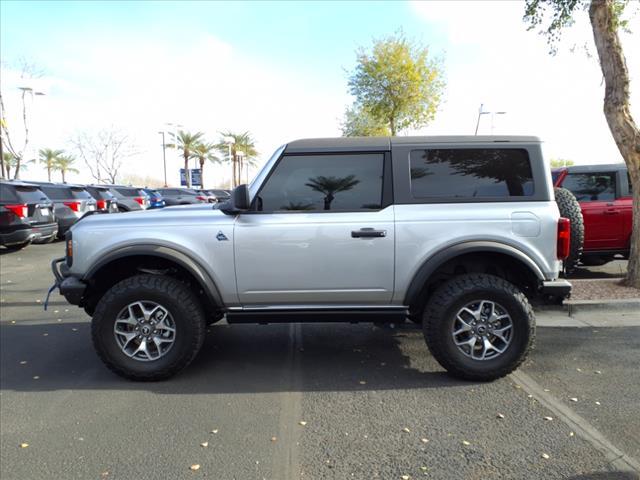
(49, 172)
(392, 126)
(16, 169)
(63, 179)
(235, 179)
(187, 177)
(618, 114)
(201, 173)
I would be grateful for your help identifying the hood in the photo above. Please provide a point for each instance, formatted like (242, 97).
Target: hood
(195, 213)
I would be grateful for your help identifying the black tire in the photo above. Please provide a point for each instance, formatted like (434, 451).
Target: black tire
(181, 303)
(17, 246)
(570, 208)
(439, 317)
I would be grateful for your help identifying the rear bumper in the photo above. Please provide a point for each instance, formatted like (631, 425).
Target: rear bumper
(556, 288)
(45, 232)
(17, 237)
(71, 288)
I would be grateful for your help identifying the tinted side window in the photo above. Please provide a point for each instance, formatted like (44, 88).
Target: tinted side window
(471, 173)
(80, 193)
(127, 192)
(589, 187)
(344, 182)
(57, 193)
(7, 194)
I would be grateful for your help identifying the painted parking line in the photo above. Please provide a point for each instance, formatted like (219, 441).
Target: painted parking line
(616, 457)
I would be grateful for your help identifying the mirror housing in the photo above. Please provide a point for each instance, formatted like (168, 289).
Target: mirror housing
(239, 201)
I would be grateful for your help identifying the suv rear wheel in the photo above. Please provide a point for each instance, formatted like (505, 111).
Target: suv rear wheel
(479, 327)
(148, 327)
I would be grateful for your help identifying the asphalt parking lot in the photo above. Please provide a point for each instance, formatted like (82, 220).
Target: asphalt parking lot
(305, 401)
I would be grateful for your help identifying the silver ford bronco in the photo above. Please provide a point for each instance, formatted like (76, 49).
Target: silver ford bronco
(457, 234)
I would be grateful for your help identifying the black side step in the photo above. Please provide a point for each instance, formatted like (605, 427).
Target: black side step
(318, 316)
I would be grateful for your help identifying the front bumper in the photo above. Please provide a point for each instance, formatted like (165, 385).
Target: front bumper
(556, 288)
(71, 288)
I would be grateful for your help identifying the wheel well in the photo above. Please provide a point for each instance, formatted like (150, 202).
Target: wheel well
(119, 269)
(498, 264)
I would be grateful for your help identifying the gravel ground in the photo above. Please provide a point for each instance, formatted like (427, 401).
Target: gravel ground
(602, 289)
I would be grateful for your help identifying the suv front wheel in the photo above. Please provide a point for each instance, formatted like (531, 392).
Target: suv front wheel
(479, 327)
(148, 327)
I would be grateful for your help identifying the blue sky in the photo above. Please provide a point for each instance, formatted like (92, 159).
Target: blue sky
(280, 70)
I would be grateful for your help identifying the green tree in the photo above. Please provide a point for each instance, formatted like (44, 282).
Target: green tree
(561, 162)
(242, 142)
(607, 19)
(11, 162)
(187, 142)
(204, 153)
(329, 186)
(49, 157)
(358, 122)
(64, 164)
(397, 83)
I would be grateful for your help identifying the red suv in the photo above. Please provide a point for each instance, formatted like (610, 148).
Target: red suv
(604, 194)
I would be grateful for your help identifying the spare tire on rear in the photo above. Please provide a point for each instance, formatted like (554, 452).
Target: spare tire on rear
(570, 208)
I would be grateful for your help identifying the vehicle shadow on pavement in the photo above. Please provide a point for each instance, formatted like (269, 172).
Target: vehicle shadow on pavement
(233, 359)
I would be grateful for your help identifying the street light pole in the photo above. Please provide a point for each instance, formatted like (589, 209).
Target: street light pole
(480, 112)
(164, 157)
(33, 93)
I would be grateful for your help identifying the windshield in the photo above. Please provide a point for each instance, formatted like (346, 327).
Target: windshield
(264, 171)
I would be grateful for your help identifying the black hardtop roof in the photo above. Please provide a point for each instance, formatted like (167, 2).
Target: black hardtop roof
(385, 143)
(603, 167)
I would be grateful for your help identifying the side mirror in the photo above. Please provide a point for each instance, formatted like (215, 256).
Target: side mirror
(239, 201)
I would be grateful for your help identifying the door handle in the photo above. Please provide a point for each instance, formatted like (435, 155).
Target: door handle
(368, 233)
(611, 211)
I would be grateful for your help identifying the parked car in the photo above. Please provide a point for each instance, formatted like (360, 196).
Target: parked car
(215, 196)
(605, 197)
(26, 215)
(129, 198)
(340, 229)
(105, 201)
(155, 198)
(182, 196)
(71, 203)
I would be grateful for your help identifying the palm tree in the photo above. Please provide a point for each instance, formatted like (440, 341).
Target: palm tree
(64, 164)
(49, 157)
(242, 143)
(329, 186)
(186, 142)
(204, 152)
(10, 161)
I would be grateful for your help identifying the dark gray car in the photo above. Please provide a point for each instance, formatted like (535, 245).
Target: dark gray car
(105, 200)
(182, 196)
(70, 203)
(129, 198)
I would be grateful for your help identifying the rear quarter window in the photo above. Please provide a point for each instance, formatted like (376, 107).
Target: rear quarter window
(8, 194)
(127, 192)
(57, 193)
(471, 173)
(80, 193)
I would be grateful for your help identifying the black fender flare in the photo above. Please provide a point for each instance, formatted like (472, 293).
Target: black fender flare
(438, 259)
(161, 251)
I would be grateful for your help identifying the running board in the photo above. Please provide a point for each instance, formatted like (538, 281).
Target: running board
(318, 316)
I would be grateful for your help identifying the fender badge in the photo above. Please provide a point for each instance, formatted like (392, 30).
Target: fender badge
(221, 236)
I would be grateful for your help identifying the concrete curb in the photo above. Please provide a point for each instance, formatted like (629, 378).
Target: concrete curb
(573, 307)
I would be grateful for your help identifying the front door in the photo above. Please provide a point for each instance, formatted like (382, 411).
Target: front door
(596, 193)
(321, 233)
